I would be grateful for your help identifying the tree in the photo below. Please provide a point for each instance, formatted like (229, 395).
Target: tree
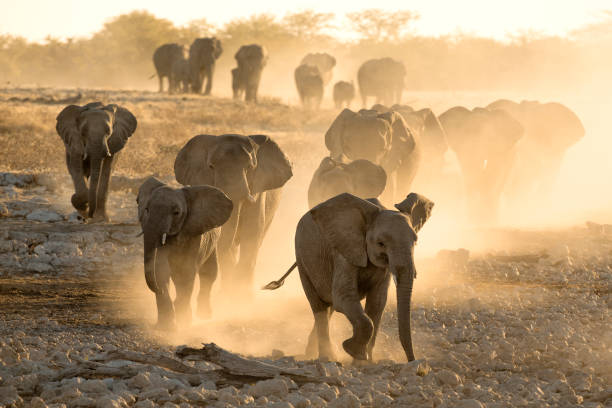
(378, 25)
(307, 24)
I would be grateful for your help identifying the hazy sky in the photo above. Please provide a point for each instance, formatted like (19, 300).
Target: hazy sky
(35, 19)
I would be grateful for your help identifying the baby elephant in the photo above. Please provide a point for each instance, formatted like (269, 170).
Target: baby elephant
(347, 249)
(344, 93)
(181, 229)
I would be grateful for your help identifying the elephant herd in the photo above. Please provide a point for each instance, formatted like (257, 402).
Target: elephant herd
(349, 245)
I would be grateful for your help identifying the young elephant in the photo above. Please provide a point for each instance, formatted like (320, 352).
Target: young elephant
(344, 93)
(181, 229)
(93, 135)
(346, 250)
(360, 177)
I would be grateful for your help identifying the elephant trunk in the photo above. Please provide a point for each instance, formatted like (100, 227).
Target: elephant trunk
(155, 257)
(405, 278)
(96, 166)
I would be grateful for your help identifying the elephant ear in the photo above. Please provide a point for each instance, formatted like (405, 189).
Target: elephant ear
(402, 141)
(208, 208)
(144, 194)
(433, 130)
(508, 130)
(273, 168)
(369, 179)
(380, 108)
(218, 48)
(333, 136)
(344, 220)
(124, 125)
(191, 163)
(418, 208)
(68, 125)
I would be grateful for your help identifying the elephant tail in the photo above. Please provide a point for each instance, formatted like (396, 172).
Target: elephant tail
(278, 283)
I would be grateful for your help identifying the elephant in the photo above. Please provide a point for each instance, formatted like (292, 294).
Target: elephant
(361, 178)
(432, 136)
(203, 54)
(347, 249)
(485, 144)
(250, 170)
(382, 78)
(381, 138)
(163, 59)
(323, 61)
(550, 129)
(93, 135)
(309, 84)
(180, 76)
(180, 233)
(251, 61)
(344, 93)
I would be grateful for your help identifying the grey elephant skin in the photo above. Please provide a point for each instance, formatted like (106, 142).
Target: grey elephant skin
(251, 61)
(346, 250)
(550, 130)
(432, 137)
(343, 94)
(180, 76)
(93, 136)
(323, 61)
(381, 138)
(203, 55)
(485, 144)
(250, 170)
(309, 84)
(163, 59)
(360, 178)
(180, 233)
(383, 79)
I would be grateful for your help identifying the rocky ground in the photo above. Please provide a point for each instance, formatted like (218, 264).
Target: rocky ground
(529, 327)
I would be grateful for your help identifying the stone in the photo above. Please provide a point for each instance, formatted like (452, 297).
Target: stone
(266, 388)
(9, 397)
(469, 403)
(448, 377)
(38, 402)
(346, 400)
(44, 216)
(145, 404)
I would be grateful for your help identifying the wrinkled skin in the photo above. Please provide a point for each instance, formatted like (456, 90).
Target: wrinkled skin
(251, 61)
(347, 249)
(309, 84)
(203, 55)
(163, 59)
(180, 234)
(382, 78)
(344, 93)
(360, 178)
(93, 135)
(432, 137)
(250, 170)
(550, 130)
(324, 62)
(381, 138)
(180, 76)
(485, 144)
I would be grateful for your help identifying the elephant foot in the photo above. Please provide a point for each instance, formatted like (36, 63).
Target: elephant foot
(355, 349)
(98, 219)
(327, 353)
(204, 311)
(165, 325)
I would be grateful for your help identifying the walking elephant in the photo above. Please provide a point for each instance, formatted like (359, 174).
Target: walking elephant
(323, 61)
(382, 78)
(180, 233)
(93, 135)
(347, 249)
(485, 144)
(309, 84)
(381, 138)
(250, 170)
(550, 129)
(361, 178)
(251, 61)
(163, 60)
(203, 55)
(180, 76)
(344, 93)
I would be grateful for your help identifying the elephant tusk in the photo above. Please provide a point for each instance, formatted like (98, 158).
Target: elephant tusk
(164, 238)
(141, 233)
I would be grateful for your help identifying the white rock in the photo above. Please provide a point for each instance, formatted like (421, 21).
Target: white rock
(347, 400)
(36, 266)
(298, 400)
(266, 388)
(145, 404)
(94, 387)
(447, 377)
(469, 403)
(37, 402)
(111, 401)
(44, 216)
(9, 397)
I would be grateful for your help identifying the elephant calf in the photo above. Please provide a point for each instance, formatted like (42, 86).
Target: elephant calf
(181, 229)
(346, 250)
(344, 93)
(360, 177)
(93, 135)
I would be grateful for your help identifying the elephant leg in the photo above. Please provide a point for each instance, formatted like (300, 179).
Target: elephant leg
(183, 280)
(103, 186)
(346, 300)
(209, 70)
(251, 231)
(161, 83)
(76, 169)
(165, 308)
(208, 274)
(376, 300)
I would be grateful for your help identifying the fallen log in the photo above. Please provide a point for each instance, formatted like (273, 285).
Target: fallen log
(234, 366)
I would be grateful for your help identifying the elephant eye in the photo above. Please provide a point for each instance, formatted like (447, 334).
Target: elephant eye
(380, 244)
(210, 165)
(176, 212)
